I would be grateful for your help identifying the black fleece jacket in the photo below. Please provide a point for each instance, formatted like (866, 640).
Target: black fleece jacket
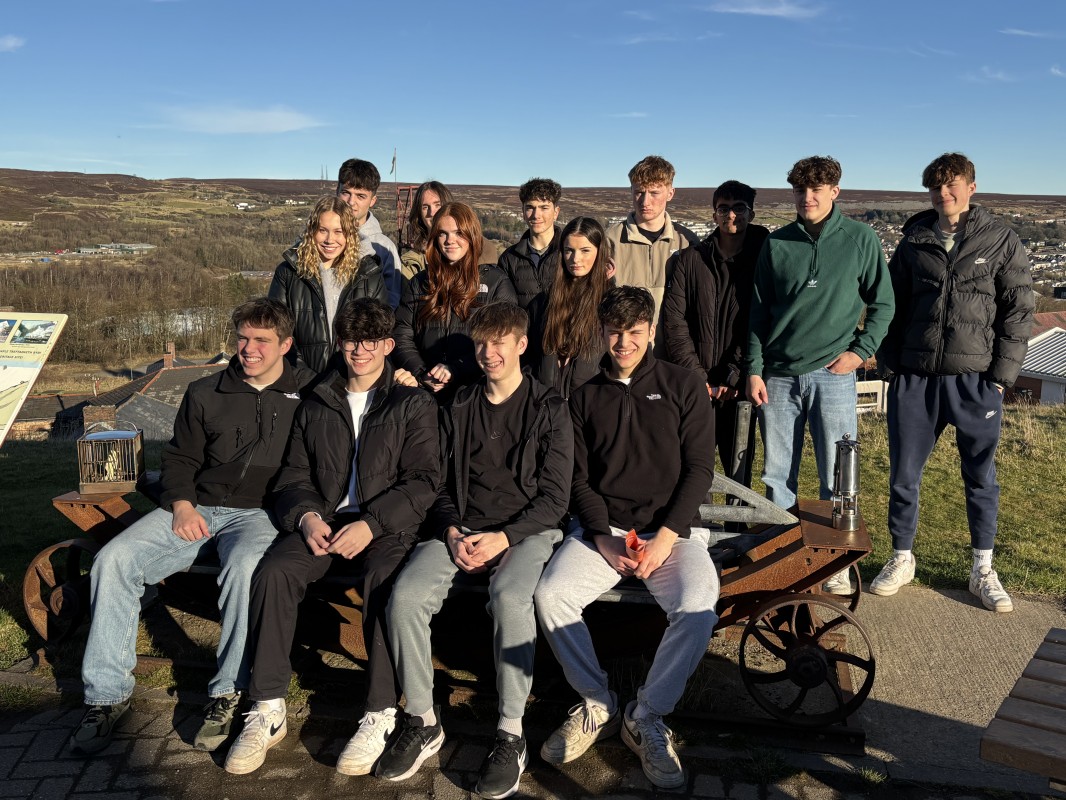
(643, 452)
(229, 439)
(970, 310)
(398, 461)
(546, 462)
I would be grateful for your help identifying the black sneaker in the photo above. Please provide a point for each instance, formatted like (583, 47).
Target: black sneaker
(503, 767)
(96, 728)
(412, 747)
(218, 717)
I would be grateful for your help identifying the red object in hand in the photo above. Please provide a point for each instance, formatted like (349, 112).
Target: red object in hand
(635, 546)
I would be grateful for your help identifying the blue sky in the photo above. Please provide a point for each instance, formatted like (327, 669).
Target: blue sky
(496, 92)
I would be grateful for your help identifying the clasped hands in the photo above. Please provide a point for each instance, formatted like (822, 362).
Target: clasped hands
(474, 552)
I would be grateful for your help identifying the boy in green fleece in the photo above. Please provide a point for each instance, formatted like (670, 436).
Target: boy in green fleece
(813, 279)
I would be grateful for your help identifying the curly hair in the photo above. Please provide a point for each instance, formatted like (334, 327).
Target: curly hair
(540, 189)
(815, 171)
(652, 170)
(346, 265)
(452, 288)
(945, 168)
(626, 306)
(571, 326)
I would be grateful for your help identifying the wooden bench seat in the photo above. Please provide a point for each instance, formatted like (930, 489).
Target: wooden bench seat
(1029, 730)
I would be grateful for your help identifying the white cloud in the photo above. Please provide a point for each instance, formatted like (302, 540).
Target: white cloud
(222, 120)
(9, 44)
(787, 9)
(989, 75)
(1057, 72)
(650, 38)
(1030, 34)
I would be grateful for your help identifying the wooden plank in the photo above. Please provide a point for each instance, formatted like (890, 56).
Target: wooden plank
(1025, 748)
(1051, 652)
(1035, 715)
(1046, 671)
(1048, 694)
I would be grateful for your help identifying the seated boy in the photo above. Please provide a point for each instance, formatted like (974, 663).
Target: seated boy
(361, 471)
(508, 463)
(643, 460)
(217, 472)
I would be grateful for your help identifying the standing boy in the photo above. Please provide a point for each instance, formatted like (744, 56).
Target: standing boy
(813, 279)
(217, 473)
(357, 185)
(964, 301)
(361, 471)
(508, 463)
(645, 242)
(705, 313)
(643, 460)
(524, 261)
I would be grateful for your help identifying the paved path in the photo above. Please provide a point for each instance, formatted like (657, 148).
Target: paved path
(944, 665)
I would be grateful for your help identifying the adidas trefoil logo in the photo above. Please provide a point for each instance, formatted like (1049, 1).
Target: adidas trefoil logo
(812, 283)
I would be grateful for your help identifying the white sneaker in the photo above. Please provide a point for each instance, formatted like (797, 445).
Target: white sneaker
(263, 729)
(839, 583)
(652, 740)
(365, 748)
(984, 583)
(586, 725)
(897, 572)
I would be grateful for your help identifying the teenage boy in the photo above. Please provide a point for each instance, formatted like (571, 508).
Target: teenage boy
(217, 473)
(357, 185)
(645, 242)
(964, 301)
(524, 261)
(813, 279)
(705, 312)
(361, 471)
(643, 460)
(509, 459)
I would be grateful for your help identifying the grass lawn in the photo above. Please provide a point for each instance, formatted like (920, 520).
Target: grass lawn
(1030, 550)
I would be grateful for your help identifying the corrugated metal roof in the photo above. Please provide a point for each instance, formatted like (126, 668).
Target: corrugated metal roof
(1047, 356)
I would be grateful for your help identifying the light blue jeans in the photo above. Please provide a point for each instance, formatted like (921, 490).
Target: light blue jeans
(148, 552)
(824, 400)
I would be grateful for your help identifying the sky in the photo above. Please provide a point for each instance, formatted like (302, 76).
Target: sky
(498, 92)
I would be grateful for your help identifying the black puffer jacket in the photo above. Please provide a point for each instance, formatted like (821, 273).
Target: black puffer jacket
(398, 461)
(443, 341)
(545, 462)
(229, 439)
(967, 311)
(307, 302)
(705, 311)
(528, 279)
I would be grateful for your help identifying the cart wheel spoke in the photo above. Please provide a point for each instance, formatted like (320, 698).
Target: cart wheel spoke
(779, 649)
(769, 677)
(865, 664)
(795, 705)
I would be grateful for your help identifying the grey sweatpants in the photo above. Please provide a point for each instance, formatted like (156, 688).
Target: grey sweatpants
(685, 587)
(419, 594)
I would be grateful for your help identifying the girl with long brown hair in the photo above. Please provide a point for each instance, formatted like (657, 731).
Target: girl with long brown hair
(571, 340)
(328, 266)
(432, 322)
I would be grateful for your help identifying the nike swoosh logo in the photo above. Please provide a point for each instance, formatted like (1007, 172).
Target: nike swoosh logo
(275, 728)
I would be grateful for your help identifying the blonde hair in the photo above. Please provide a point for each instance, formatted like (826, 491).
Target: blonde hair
(346, 265)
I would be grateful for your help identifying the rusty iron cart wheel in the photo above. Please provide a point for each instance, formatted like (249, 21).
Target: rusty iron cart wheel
(55, 589)
(806, 661)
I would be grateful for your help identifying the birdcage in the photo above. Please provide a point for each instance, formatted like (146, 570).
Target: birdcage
(110, 460)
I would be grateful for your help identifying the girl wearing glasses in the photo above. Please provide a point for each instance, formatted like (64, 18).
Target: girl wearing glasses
(432, 322)
(327, 267)
(571, 338)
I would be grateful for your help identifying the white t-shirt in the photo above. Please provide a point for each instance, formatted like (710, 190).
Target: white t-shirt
(358, 403)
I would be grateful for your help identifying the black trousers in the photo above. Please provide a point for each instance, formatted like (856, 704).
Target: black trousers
(280, 583)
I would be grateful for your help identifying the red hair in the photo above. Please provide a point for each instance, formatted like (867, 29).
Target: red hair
(452, 288)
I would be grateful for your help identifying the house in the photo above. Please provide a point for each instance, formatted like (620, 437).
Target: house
(1043, 375)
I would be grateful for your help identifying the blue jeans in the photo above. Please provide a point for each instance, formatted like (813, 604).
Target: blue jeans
(146, 553)
(824, 400)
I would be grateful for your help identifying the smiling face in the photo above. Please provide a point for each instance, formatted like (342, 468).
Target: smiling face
(500, 356)
(649, 204)
(814, 203)
(627, 346)
(453, 245)
(260, 352)
(329, 238)
(430, 206)
(579, 255)
(366, 359)
(359, 200)
(732, 216)
(540, 215)
(953, 198)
